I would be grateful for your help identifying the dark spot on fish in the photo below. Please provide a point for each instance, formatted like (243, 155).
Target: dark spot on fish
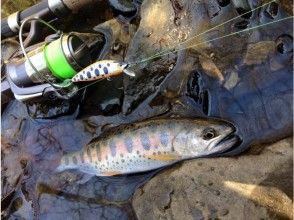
(116, 162)
(138, 152)
(74, 160)
(158, 152)
(131, 160)
(96, 166)
(108, 64)
(81, 77)
(112, 148)
(163, 136)
(128, 144)
(99, 65)
(98, 152)
(105, 70)
(140, 155)
(97, 73)
(122, 160)
(82, 157)
(89, 154)
(171, 126)
(106, 157)
(145, 141)
(88, 74)
(121, 155)
(153, 128)
(154, 153)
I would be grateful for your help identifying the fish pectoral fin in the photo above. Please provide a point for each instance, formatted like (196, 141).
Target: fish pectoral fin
(110, 173)
(165, 157)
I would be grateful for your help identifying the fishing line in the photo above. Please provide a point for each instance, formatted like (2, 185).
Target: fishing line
(208, 41)
(198, 35)
(41, 77)
(228, 35)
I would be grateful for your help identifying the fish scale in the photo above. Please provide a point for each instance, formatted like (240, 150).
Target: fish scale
(147, 146)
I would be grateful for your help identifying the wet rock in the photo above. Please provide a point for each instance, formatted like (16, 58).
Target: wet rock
(232, 81)
(116, 32)
(111, 106)
(193, 18)
(51, 108)
(105, 97)
(23, 208)
(241, 4)
(125, 7)
(288, 6)
(156, 33)
(248, 187)
(59, 207)
(210, 68)
(258, 53)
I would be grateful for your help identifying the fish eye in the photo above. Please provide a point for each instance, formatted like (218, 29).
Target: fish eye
(209, 133)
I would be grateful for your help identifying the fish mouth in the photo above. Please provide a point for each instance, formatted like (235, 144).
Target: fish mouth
(230, 141)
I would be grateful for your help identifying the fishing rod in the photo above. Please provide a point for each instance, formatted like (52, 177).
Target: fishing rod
(47, 10)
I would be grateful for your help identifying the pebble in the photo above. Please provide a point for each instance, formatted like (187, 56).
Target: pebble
(223, 212)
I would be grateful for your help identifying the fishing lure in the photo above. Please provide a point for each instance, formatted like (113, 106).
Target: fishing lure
(101, 70)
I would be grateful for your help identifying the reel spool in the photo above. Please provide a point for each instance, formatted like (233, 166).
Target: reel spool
(47, 67)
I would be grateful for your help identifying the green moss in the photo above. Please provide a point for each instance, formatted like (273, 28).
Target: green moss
(10, 6)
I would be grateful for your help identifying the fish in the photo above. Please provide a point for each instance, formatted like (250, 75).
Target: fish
(101, 70)
(150, 145)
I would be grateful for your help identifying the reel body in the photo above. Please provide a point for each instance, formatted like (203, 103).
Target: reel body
(46, 65)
